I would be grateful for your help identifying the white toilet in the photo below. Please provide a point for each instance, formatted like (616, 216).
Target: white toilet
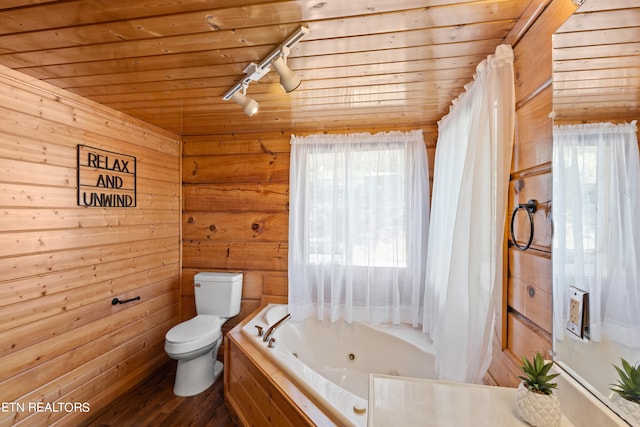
(194, 343)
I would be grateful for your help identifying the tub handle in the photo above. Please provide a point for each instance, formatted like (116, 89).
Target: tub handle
(272, 342)
(260, 330)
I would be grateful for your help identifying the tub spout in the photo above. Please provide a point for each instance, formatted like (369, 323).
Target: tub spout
(275, 326)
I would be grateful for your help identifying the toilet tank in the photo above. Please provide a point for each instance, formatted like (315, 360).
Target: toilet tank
(218, 294)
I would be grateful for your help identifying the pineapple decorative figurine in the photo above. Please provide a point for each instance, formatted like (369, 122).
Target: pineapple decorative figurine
(535, 402)
(626, 392)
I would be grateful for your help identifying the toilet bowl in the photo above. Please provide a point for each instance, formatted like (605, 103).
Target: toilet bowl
(195, 343)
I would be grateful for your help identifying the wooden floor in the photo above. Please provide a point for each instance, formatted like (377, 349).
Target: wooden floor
(152, 403)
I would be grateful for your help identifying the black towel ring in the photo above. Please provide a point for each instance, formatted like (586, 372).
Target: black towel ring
(531, 206)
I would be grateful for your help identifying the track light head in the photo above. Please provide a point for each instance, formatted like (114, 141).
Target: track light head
(288, 79)
(254, 72)
(249, 105)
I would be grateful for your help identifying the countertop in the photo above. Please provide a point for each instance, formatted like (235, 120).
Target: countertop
(398, 401)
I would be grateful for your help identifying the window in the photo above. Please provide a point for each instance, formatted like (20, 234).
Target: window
(358, 226)
(596, 243)
(362, 194)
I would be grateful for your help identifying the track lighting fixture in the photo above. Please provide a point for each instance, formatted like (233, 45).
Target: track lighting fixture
(254, 72)
(288, 79)
(249, 105)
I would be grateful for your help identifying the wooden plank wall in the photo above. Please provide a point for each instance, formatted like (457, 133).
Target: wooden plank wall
(525, 326)
(236, 211)
(61, 339)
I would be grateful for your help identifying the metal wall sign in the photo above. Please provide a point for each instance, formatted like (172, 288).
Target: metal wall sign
(106, 179)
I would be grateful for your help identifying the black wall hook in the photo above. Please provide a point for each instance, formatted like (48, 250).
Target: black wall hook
(116, 301)
(531, 206)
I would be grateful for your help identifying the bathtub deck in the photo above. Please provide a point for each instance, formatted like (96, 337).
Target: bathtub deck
(259, 393)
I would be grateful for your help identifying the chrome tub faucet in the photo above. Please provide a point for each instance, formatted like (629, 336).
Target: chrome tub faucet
(275, 326)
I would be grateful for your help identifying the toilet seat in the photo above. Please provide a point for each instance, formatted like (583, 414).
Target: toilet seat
(193, 334)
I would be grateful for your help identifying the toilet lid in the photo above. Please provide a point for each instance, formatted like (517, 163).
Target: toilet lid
(201, 328)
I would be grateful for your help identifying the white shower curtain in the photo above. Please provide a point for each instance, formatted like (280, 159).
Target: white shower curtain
(466, 234)
(358, 225)
(596, 212)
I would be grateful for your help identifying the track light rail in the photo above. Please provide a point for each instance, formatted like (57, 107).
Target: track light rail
(255, 72)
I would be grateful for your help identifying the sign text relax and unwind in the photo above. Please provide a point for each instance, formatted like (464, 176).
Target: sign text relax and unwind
(106, 179)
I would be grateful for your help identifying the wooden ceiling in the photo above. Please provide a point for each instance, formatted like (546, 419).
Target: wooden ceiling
(596, 63)
(363, 64)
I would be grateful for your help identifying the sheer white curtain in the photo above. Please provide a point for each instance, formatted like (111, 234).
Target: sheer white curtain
(466, 234)
(596, 212)
(358, 224)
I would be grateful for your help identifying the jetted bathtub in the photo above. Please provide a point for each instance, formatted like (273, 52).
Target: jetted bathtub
(331, 362)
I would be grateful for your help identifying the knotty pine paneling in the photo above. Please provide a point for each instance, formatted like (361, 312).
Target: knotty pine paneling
(532, 53)
(169, 63)
(519, 335)
(236, 211)
(237, 197)
(268, 167)
(533, 144)
(596, 63)
(529, 285)
(237, 226)
(61, 339)
(526, 338)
